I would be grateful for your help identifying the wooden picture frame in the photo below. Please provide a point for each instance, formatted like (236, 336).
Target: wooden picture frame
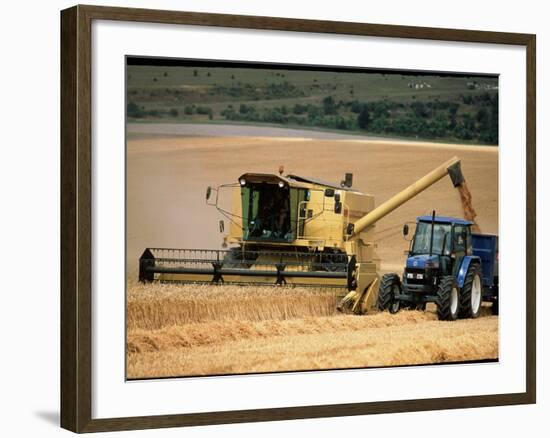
(76, 217)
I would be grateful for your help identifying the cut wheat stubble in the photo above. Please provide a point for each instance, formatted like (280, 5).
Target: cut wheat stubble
(204, 330)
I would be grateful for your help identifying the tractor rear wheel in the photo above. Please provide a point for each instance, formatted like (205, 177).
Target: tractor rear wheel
(471, 293)
(390, 286)
(447, 299)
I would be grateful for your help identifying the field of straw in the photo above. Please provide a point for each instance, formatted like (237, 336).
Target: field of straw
(176, 330)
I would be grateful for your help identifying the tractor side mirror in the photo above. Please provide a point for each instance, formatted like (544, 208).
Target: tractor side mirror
(347, 181)
(406, 230)
(208, 192)
(222, 226)
(337, 204)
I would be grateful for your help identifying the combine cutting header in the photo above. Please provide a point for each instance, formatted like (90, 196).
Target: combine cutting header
(292, 230)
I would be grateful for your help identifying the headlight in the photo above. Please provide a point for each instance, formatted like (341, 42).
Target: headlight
(242, 181)
(281, 184)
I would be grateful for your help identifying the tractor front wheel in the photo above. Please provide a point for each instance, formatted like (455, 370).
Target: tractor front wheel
(447, 299)
(471, 294)
(390, 286)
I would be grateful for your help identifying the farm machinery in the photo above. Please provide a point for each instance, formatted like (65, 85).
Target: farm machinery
(292, 230)
(448, 265)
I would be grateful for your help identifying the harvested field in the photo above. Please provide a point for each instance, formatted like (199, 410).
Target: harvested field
(175, 330)
(243, 340)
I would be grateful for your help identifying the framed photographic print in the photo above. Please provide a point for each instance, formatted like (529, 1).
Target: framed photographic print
(304, 218)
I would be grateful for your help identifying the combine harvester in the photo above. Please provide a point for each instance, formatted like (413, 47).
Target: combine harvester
(291, 230)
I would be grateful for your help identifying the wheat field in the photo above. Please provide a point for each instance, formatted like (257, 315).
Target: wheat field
(157, 306)
(176, 330)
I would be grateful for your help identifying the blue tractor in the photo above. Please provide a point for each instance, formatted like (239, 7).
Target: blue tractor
(447, 265)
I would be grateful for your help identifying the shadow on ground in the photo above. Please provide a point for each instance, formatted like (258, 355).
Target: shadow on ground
(51, 417)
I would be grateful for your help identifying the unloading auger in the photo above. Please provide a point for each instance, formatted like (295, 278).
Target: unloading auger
(292, 230)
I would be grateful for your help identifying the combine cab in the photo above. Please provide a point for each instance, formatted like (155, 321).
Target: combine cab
(291, 230)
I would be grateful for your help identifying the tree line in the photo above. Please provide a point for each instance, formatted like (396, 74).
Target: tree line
(470, 117)
(474, 119)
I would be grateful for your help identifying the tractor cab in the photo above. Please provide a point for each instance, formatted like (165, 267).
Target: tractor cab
(441, 268)
(440, 243)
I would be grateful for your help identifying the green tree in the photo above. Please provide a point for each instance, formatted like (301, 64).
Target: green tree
(482, 117)
(453, 108)
(204, 110)
(363, 119)
(133, 110)
(299, 109)
(419, 109)
(493, 126)
(329, 106)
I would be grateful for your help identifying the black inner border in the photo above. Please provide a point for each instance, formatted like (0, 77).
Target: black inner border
(132, 60)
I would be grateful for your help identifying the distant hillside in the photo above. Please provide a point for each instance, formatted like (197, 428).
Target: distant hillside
(428, 106)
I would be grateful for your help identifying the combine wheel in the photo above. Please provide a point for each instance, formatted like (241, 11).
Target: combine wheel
(470, 295)
(447, 299)
(390, 286)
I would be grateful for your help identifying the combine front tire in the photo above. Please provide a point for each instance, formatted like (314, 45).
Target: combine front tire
(447, 299)
(471, 294)
(390, 286)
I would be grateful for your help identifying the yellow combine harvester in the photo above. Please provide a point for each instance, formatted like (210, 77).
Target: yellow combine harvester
(291, 230)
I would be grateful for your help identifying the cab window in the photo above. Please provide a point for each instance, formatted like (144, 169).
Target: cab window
(460, 239)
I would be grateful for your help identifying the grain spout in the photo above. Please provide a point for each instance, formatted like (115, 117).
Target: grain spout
(467, 206)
